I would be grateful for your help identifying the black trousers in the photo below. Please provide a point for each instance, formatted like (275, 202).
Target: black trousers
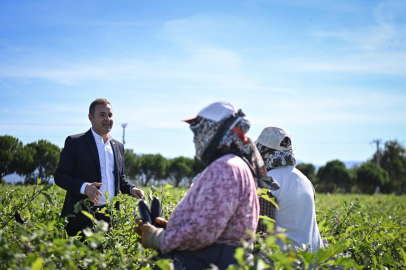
(221, 255)
(88, 223)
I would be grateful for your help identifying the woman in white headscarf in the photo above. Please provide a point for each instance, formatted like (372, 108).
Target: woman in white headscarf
(208, 224)
(296, 194)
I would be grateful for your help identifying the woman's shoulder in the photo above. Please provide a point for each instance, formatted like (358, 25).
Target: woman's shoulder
(229, 160)
(229, 164)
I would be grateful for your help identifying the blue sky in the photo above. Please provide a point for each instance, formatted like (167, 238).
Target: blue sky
(333, 73)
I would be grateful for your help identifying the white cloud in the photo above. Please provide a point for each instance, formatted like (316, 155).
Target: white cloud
(351, 107)
(390, 63)
(386, 32)
(335, 5)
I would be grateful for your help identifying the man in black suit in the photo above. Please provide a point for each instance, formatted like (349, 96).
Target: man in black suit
(91, 164)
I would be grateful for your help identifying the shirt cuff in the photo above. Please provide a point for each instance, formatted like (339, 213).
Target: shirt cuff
(82, 189)
(132, 188)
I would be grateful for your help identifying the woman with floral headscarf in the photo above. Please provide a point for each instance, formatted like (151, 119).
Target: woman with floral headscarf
(208, 223)
(295, 197)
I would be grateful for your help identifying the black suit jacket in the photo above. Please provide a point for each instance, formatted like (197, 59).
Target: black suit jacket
(80, 163)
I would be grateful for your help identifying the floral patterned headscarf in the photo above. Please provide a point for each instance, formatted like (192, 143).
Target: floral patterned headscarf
(234, 141)
(277, 158)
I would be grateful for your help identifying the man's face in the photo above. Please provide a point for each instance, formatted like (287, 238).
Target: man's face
(102, 121)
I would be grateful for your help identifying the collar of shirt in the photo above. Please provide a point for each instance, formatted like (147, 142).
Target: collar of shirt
(99, 138)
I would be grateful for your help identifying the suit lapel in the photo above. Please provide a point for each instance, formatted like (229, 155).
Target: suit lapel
(93, 148)
(114, 146)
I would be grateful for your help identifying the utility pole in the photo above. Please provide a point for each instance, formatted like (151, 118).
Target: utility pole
(378, 152)
(124, 126)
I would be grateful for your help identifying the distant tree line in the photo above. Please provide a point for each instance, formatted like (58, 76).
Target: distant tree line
(154, 169)
(387, 177)
(31, 161)
(40, 159)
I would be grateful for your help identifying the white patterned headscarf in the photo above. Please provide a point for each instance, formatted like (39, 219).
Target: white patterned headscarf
(277, 158)
(204, 132)
(233, 141)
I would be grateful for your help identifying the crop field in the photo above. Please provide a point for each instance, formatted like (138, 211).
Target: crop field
(363, 231)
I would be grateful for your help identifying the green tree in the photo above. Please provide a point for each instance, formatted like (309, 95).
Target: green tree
(309, 170)
(132, 165)
(393, 160)
(333, 176)
(153, 167)
(180, 168)
(14, 157)
(369, 176)
(46, 159)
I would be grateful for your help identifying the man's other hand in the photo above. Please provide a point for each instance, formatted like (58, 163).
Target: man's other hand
(92, 192)
(137, 193)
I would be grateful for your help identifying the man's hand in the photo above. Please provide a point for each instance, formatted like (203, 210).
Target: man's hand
(137, 193)
(92, 192)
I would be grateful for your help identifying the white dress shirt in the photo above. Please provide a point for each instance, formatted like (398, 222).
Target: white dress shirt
(106, 159)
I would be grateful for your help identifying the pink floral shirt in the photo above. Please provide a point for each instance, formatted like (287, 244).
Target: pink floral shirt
(219, 208)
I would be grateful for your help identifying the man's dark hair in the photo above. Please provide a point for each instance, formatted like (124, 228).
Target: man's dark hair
(97, 102)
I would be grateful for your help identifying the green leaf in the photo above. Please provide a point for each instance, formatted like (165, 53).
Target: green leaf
(266, 218)
(403, 254)
(322, 255)
(272, 200)
(46, 187)
(270, 225)
(347, 263)
(165, 264)
(307, 258)
(167, 186)
(37, 265)
(40, 225)
(387, 259)
(47, 197)
(260, 265)
(348, 230)
(38, 181)
(77, 207)
(374, 260)
(262, 191)
(239, 255)
(87, 214)
(116, 199)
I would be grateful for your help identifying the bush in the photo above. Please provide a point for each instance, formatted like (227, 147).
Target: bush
(309, 170)
(369, 176)
(334, 177)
